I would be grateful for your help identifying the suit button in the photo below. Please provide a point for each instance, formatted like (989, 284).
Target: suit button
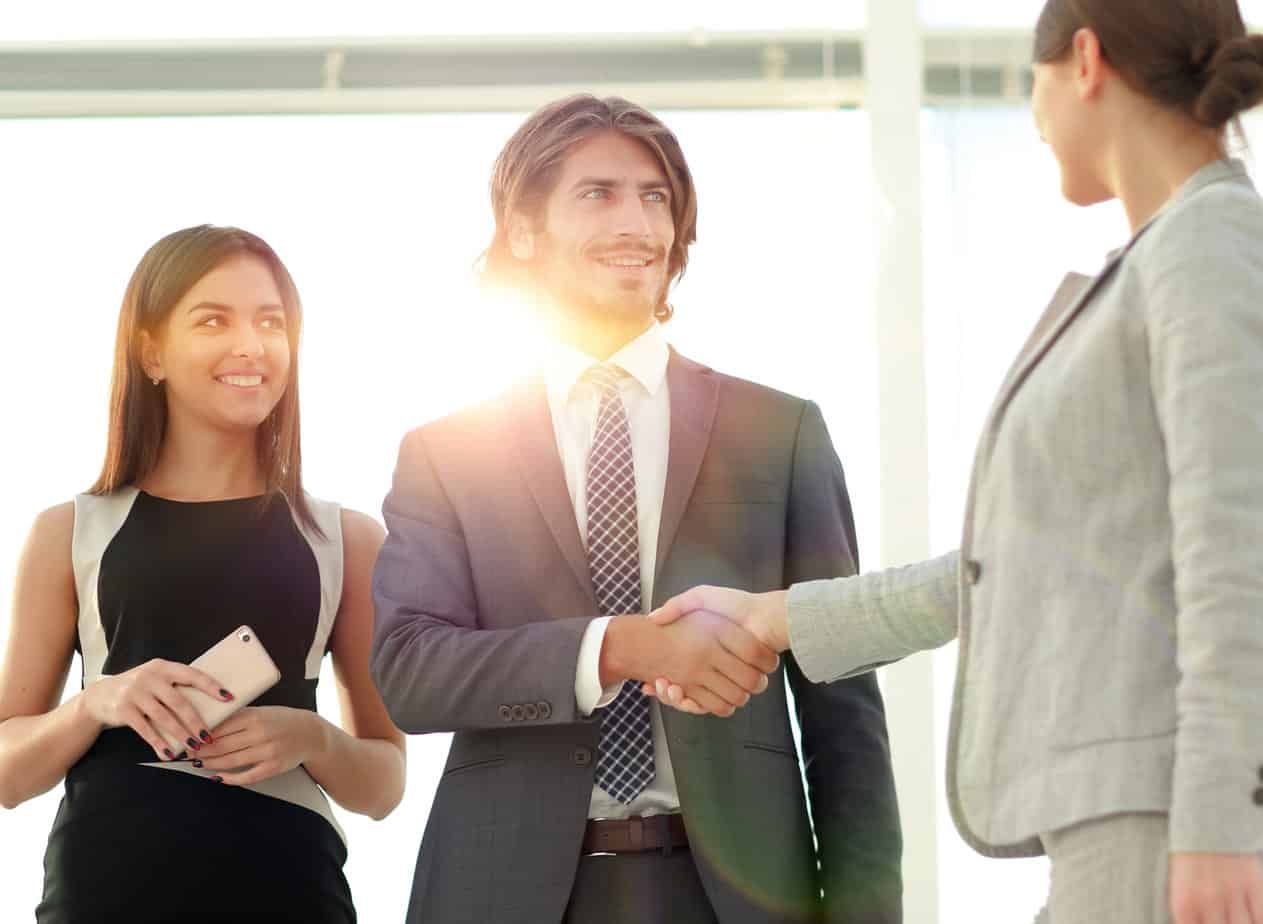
(518, 713)
(973, 571)
(582, 757)
(531, 711)
(545, 710)
(1258, 797)
(506, 713)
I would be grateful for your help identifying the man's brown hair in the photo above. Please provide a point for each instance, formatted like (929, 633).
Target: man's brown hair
(529, 165)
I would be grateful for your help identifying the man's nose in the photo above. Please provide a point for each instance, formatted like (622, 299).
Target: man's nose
(632, 218)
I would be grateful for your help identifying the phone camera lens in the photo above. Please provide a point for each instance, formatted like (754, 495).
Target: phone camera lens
(245, 636)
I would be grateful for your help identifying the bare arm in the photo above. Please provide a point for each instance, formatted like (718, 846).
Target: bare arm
(40, 740)
(362, 768)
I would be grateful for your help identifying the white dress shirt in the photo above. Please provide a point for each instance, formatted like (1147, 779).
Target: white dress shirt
(574, 406)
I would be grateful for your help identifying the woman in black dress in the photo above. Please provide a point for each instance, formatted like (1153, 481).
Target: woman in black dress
(198, 524)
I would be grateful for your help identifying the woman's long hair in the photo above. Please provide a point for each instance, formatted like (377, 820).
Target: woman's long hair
(138, 409)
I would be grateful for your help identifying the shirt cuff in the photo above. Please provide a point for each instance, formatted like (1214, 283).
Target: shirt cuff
(588, 693)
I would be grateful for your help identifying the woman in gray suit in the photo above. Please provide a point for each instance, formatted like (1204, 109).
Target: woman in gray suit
(1108, 591)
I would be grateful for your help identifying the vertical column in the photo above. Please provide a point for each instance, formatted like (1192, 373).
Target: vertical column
(893, 59)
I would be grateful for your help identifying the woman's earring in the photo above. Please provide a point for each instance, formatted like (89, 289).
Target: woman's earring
(157, 381)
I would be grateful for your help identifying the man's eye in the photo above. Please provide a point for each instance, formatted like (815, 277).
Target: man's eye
(213, 321)
(655, 195)
(596, 194)
(274, 323)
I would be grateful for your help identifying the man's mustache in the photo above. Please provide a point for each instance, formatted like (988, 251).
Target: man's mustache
(649, 252)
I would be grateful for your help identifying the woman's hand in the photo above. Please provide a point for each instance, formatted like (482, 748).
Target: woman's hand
(148, 700)
(763, 615)
(261, 742)
(1216, 888)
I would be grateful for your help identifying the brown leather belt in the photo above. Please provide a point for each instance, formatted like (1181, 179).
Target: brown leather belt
(635, 834)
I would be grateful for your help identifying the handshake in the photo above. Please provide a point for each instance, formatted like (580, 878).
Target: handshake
(706, 651)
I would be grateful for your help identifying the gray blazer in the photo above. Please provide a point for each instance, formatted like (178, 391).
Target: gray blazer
(483, 593)
(1108, 592)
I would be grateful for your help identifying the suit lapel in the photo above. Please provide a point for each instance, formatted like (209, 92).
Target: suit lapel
(1071, 298)
(536, 442)
(694, 391)
(1068, 298)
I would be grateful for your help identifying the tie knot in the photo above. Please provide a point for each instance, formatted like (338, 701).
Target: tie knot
(605, 377)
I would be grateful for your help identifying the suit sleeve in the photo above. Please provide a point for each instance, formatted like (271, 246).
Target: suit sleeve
(1204, 283)
(436, 667)
(850, 625)
(846, 752)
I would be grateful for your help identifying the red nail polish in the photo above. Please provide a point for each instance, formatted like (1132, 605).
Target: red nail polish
(197, 764)
(226, 695)
(205, 736)
(217, 779)
(192, 742)
(167, 751)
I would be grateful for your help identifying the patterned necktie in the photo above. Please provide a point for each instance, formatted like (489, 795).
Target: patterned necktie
(624, 764)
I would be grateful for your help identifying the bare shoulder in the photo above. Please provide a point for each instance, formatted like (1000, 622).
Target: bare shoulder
(52, 532)
(361, 534)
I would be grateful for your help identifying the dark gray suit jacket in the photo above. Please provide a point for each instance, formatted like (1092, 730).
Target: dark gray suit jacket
(483, 593)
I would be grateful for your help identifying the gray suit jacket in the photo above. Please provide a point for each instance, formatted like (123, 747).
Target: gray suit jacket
(1109, 587)
(483, 593)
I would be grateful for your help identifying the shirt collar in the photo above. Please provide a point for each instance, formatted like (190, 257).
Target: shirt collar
(644, 359)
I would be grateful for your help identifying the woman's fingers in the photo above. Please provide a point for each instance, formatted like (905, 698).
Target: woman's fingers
(234, 760)
(135, 719)
(228, 743)
(189, 727)
(186, 676)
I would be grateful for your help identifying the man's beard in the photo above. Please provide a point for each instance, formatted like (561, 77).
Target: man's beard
(576, 303)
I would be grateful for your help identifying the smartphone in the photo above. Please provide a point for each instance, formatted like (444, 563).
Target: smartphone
(242, 666)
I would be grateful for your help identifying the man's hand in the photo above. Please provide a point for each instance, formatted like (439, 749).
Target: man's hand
(1216, 888)
(717, 661)
(763, 615)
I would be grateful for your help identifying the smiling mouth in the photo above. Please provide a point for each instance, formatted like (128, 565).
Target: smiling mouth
(240, 381)
(626, 262)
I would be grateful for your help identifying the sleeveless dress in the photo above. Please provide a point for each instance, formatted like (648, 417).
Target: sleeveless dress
(136, 840)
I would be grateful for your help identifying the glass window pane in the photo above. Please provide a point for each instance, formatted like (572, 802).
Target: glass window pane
(56, 20)
(998, 239)
(1019, 14)
(992, 14)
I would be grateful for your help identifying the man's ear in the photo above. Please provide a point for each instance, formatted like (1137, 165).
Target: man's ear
(151, 357)
(521, 236)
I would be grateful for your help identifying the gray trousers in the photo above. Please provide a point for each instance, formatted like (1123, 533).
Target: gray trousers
(1111, 869)
(639, 888)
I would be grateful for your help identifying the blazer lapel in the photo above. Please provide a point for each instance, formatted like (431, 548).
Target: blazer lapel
(536, 442)
(1068, 303)
(694, 391)
(1076, 289)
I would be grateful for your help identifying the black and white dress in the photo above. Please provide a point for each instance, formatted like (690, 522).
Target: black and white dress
(136, 840)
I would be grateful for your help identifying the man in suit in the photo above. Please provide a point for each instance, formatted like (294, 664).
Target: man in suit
(528, 535)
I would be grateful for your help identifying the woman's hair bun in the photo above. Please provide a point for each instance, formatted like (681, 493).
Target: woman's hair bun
(1233, 78)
